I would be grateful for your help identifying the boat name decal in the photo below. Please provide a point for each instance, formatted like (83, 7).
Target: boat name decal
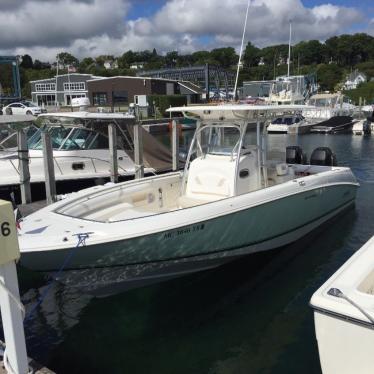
(187, 230)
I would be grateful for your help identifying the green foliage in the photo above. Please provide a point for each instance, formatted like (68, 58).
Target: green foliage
(364, 90)
(27, 62)
(251, 55)
(225, 57)
(329, 75)
(163, 102)
(66, 58)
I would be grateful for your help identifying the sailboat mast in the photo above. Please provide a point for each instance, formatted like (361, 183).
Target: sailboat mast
(241, 50)
(289, 51)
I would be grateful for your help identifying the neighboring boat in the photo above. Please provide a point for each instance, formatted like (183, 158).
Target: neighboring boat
(229, 201)
(344, 316)
(334, 125)
(362, 127)
(80, 149)
(327, 106)
(9, 124)
(290, 124)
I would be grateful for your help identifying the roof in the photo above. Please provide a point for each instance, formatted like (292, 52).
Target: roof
(191, 87)
(65, 75)
(88, 115)
(236, 111)
(131, 77)
(352, 76)
(16, 118)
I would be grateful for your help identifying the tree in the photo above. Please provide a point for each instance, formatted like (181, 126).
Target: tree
(329, 75)
(85, 64)
(27, 62)
(225, 57)
(309, 52)
(251, 55)
(66, 59)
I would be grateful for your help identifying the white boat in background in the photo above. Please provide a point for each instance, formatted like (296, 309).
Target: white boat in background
(230, 201)
(344, 316)
(290, 124)
(80, 149)
(328, 105)
(362, 127)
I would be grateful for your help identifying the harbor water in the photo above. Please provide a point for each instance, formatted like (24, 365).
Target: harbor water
(250, 316)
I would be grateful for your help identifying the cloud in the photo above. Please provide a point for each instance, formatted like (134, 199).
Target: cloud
(58, 23)
(43, 28)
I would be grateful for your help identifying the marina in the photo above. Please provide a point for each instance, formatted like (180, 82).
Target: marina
(184, 189)
(216, 307)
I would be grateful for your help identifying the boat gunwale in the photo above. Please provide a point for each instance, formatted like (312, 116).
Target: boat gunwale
(242, 207)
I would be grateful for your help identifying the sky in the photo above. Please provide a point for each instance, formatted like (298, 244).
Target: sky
(89, 28)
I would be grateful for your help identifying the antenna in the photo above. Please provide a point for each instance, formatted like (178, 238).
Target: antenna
(56, 91)
(289, 51)
(241, 50)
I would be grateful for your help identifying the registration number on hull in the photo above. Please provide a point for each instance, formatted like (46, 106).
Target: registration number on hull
(184, 231)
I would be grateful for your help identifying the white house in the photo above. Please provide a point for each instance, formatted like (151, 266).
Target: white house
(111, 64)
(354, 79)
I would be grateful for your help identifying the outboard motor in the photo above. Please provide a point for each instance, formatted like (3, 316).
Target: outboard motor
(323, 156)
(295, 155)
(366, 127)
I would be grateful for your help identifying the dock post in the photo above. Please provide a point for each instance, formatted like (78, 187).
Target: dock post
(112, 133)
(175, 145)
(24, 173)
(11, 312)
(49, 170)
(138, 150)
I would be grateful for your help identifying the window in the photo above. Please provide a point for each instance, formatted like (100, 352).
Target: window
(120, 97)
(99, 98)
(46, 99)
(74, 86)
(45, 87)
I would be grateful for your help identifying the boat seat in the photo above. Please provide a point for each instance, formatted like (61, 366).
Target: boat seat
(280, 173)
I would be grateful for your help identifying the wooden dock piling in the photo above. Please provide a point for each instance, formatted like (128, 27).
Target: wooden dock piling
(49, 170)
(24, 172)
(175, 145)
(112, 133)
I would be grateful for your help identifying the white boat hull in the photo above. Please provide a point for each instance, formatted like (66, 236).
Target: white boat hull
(196, 238)
(344, 347)
(344, 316)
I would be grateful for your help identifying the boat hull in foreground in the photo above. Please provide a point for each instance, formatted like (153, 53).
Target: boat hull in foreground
(344, 316)
(175, 242)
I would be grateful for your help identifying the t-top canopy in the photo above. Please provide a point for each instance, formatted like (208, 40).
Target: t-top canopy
(89, 115)
(237, 111)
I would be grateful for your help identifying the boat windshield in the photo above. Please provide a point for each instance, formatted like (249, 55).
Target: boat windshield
(218, 140)
(67, 138)
(324, 102)
(9, 136)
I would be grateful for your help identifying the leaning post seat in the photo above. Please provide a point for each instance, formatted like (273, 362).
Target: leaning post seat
(323, 156)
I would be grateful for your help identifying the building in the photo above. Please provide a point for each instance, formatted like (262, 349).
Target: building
(121, 90)
(354, 79)
(65, 86)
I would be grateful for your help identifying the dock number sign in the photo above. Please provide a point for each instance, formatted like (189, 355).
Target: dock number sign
(9, 249)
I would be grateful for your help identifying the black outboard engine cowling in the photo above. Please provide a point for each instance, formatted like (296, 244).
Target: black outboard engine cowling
(295, 155)
(323, 156)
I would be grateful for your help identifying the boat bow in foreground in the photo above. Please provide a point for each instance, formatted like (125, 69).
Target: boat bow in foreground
(344, 316)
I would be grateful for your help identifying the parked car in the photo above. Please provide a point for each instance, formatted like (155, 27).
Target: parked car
(24, 107)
